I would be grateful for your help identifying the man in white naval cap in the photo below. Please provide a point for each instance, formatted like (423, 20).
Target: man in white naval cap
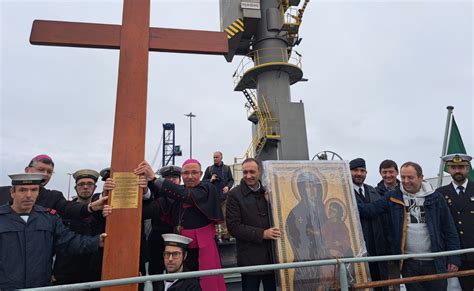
(174, 256)
(43, 164)
(459, 196)
(31, 235)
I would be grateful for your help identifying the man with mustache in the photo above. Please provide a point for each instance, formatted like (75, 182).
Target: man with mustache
(459, 196)
(372, 228)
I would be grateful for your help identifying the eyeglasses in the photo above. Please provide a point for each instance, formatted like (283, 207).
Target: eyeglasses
(174, 255)
(193, 173)
(88, 184)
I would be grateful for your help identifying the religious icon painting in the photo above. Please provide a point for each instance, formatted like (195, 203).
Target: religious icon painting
(313, 206)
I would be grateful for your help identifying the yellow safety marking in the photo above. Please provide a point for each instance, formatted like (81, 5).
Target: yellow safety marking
(229, 32)
(238, 26)
(234, 28)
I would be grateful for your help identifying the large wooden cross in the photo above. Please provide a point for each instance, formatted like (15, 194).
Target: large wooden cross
(134, 38)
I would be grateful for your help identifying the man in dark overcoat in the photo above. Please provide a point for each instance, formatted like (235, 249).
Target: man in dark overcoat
(69, 269)
(459, 196)
(373, 229)
(248, 220)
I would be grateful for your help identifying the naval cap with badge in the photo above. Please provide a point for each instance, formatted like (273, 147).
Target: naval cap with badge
(357, 163)
(86, 173)
(177, 240)
(457, 159)
(26, 179)
(170, 171)
(105, 173)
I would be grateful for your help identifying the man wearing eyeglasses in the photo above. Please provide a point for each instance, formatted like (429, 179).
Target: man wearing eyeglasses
(194, 213)
(69, 269)
(174, 256)
(158, 210)
(43, 164)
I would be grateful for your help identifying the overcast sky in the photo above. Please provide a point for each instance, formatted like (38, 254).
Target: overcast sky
(381, 74)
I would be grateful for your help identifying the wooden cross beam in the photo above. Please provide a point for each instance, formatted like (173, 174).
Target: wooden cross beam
(107, 36)
(134, 38)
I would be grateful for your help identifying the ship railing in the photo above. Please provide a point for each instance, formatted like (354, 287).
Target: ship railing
(339, 262)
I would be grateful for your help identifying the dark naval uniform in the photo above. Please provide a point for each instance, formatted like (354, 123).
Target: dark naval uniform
(462, 210)
(192, 208)
(27, 248)
(374, 235)
(190, 284)
(70, 269)
(51, 199)
(194, 212)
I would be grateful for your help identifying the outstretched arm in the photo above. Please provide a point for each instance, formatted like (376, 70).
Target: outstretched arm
(71, 243)
(373, 209)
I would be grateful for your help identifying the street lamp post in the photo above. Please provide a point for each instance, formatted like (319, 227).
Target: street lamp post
(190, 115)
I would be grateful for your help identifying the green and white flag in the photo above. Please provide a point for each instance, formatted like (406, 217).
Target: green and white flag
(456, 146)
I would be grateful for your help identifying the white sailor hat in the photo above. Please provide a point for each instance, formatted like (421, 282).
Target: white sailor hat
(86, 173)
(26, 179)
(457, 159)
(177, 240)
